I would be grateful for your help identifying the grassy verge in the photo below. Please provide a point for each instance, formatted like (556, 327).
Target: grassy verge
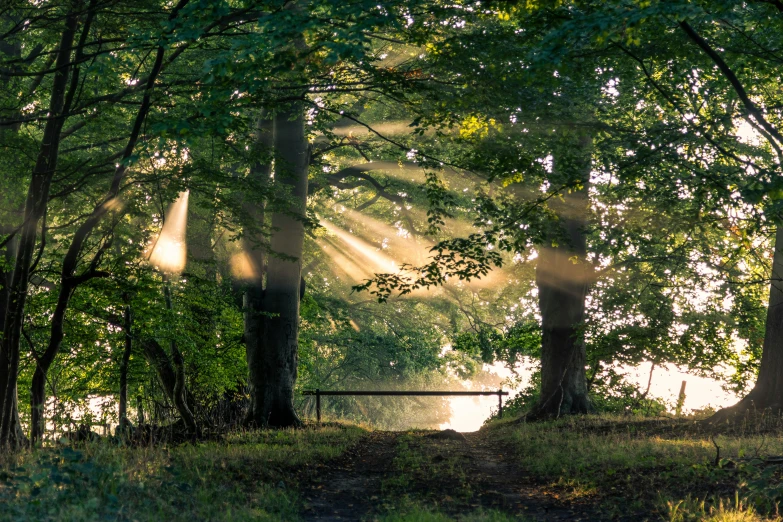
(669, 469)
(250, 476)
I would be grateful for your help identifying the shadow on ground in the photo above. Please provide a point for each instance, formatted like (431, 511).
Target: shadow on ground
(387, 472)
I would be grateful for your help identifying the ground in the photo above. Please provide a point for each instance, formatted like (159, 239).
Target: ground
(391, 472)
(589, 468)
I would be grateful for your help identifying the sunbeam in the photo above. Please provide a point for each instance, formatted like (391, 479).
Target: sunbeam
(169, 252)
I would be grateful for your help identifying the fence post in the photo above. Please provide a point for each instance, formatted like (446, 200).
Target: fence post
(681, 399)
(318, 405)
(500, 403)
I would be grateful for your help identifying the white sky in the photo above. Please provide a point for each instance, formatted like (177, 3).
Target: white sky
(469, 413)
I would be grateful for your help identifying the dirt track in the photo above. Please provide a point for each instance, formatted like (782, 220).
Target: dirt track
(387, 469)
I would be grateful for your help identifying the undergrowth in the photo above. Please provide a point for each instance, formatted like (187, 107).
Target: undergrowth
(249, 476)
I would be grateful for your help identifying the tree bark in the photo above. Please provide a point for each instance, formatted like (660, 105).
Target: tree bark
(563, 279)
(14, 209)
(126, 353)
(275, 396)
(254, 290)
(35, 209)
(179, 393)
(18, 437)
(167, 376)
(767, 394)
(69, 280)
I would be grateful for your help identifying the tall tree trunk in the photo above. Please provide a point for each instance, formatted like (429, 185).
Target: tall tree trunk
(252, 245)
(13, 217)
(8, 255)
(38, 388)
(563, 277)
(767, 394)
(69, 280)
(35, 208)
(283, 278)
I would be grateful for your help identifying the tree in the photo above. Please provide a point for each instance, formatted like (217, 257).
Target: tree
(35, 208)
(515, 218)
(725, 80)
(274, 324)
(563, 277)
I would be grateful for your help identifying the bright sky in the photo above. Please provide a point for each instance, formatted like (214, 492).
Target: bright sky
(469, 413)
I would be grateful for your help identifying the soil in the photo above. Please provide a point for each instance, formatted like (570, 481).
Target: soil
(451, 475)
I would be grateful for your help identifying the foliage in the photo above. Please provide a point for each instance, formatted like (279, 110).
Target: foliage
(433, 129)
(247, 477)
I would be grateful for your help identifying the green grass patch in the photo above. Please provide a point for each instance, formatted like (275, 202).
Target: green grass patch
(249, 476)
(665, 467)
(426, 470)
(416, 512)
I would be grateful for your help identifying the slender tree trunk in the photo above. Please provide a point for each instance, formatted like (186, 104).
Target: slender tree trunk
(35, 208)
(254, 290)
(283, 278)
(563, 277)
(140, 410)
(767, 394)
(8, 256)
(38, 388)
(13, 211)
(69, 280)
(172, 384)
(126, 353)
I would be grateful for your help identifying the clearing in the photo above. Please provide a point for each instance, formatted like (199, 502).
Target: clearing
(589, 468)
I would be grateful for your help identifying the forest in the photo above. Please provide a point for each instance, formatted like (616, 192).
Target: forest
(212, 209)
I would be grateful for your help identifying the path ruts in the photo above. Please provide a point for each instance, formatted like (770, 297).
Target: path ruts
(349, 488)
(352, 486)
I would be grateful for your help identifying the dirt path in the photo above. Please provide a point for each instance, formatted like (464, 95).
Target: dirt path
(387, 470)
(349, 488)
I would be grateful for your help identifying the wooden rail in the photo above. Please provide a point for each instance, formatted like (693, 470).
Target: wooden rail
(319, 393)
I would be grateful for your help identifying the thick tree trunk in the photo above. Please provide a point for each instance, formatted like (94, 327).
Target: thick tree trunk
(563, 279)
(35, 208)
(767, 394)
(283, 279)
(254, 290)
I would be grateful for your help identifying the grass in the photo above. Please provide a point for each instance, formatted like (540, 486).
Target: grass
(418, 468)
(430, 484)
(638, 468)
(250, 476)
(719, 510)
(664, 467)
(423, 514)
